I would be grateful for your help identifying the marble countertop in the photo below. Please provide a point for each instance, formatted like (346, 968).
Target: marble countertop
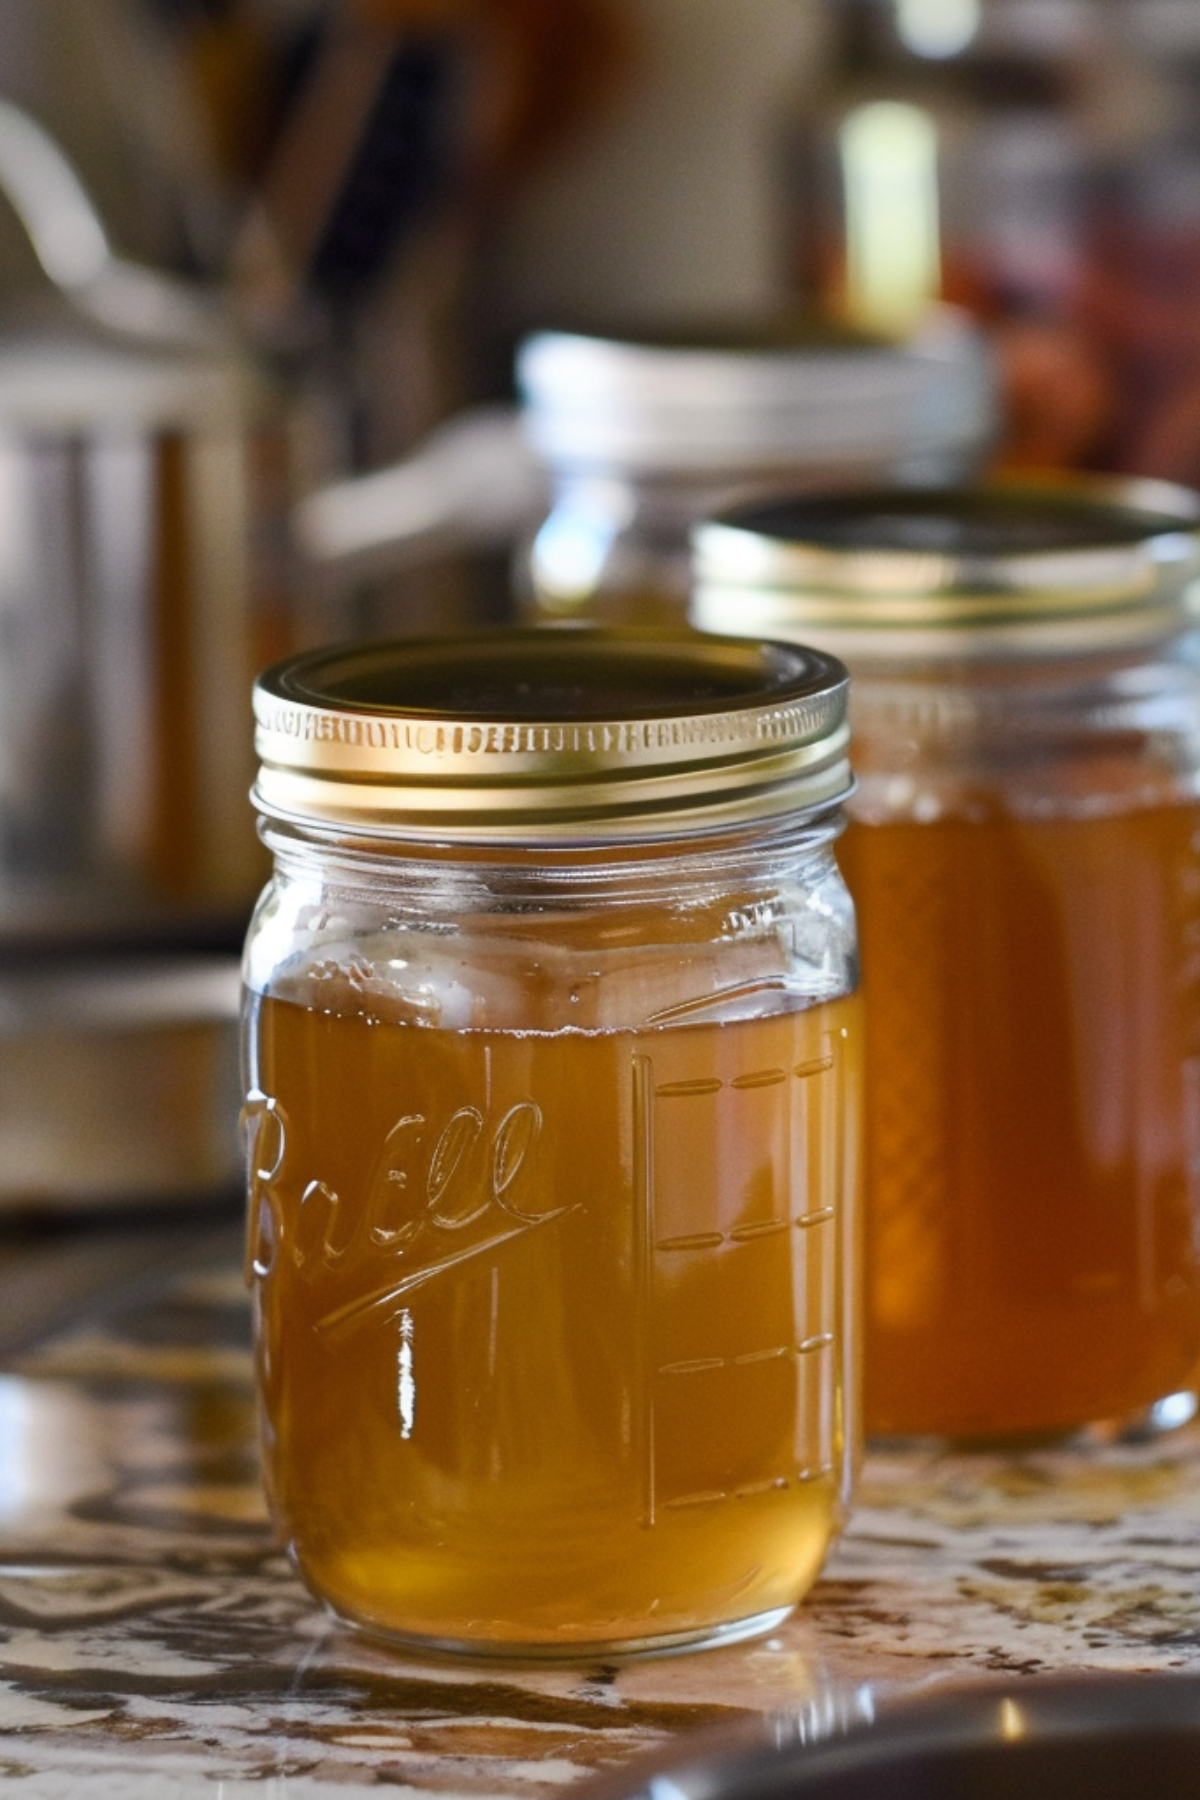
(154, 1642)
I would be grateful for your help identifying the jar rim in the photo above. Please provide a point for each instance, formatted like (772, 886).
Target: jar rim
(551, 734)
(1057, 563)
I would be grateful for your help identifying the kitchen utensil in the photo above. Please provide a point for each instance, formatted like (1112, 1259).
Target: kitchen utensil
(1077, 1737)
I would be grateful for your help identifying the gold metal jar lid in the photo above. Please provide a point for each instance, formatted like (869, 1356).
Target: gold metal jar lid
(1071, 564)
(553, 735)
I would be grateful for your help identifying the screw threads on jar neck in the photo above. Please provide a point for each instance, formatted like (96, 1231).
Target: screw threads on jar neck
(552, 737)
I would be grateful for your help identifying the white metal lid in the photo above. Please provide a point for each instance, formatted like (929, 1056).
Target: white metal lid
(697, 405)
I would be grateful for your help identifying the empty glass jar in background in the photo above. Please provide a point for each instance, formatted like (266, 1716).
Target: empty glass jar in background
(642, 438)
(1024, 855)
(552, 1049)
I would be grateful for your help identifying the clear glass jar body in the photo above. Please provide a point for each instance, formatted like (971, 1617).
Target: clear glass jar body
(615, 548)
(1023, 855)
(641, 440)
(552, 1161)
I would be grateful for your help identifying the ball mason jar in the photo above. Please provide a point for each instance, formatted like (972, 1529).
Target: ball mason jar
(552, 1053)
(642, 438)
(1024, 855)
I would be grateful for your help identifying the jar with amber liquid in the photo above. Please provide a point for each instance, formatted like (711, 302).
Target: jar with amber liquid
(552, 1051)
(1024, 855)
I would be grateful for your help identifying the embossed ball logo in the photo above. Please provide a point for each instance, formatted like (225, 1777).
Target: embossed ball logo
(438, 1195)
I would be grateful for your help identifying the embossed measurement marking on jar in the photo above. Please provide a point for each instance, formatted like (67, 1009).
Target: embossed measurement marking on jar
(698, 1335)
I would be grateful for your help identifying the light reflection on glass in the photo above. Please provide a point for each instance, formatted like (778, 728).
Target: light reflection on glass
(1012, 1722)
(937, 28)
(889, 157)
(1170, 1412)
(573, 545)
(406, 1384)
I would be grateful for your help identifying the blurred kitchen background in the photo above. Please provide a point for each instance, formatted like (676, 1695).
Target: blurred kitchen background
(265, 270)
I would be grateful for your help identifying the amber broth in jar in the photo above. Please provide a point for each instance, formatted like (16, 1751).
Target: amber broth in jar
(548, 1319)
(1033, 1064)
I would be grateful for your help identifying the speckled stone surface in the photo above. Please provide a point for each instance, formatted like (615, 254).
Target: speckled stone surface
(153, 1641)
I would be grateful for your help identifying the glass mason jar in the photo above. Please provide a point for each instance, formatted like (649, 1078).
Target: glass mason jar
(1024, 854)
(552, 1055)
(642, 439)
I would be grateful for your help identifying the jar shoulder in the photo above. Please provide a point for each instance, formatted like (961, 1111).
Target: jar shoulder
(466, 959)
